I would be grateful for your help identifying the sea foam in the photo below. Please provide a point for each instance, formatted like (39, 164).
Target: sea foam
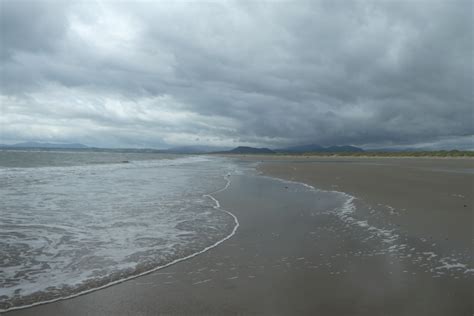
(69, 230)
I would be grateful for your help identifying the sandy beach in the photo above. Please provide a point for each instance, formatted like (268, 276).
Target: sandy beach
(293, 254)
(427, 197)
(269, 157)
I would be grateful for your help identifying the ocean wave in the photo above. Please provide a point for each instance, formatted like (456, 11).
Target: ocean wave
(66, 233)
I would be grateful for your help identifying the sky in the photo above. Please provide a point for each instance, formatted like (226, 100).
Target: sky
(157, 74)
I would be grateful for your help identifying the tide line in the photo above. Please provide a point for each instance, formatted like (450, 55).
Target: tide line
(217, 206)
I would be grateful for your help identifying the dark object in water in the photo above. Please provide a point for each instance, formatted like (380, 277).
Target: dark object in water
(125, 161)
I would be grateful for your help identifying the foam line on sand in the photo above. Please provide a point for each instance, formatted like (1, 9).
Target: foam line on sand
(216, 206)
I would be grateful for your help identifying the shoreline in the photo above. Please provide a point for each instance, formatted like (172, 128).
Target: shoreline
(157, 268)
(409, 190)
(359, 208)
(291, 255)
(337, 156)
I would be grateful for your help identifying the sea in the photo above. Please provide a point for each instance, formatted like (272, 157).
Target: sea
(75, 221)
(72, 222)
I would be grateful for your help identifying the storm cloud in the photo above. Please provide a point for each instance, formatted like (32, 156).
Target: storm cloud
(158, 74)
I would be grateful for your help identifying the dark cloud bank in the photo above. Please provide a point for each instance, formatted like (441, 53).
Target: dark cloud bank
(274, 73)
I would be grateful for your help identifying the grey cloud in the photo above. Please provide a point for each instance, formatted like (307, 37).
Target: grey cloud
(263, 73)
(29, 25)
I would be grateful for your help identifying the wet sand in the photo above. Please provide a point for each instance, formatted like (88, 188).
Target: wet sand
(426, 198)
(293, 255)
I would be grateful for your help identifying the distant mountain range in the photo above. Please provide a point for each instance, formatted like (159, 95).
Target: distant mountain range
(173, 150)
(44, 145)
(312, 148)
(250, 150)
(319, 148)
(196, 149)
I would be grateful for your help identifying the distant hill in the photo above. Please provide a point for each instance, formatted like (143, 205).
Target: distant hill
(250, 150)
(302, 148)
(337, 149)
(45, 145)
(319, 148)
(312, 148)
(195, 149)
